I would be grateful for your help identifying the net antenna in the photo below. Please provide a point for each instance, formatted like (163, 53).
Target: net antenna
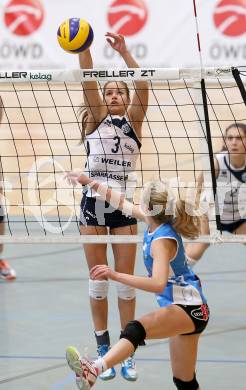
(206, 143)
(198, 35)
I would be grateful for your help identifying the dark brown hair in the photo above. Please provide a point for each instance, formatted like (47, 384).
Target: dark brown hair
(82, 111)
(237, 125)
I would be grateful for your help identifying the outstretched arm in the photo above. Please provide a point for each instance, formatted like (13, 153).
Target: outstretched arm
(162, 251)
(200, 183)
(92, 98)
(139, 104)
(116, 199)
(195, 250)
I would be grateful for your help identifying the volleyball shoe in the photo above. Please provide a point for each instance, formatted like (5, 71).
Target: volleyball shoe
(128, 369)
(86, 372)
(6, 272)
(110, 373)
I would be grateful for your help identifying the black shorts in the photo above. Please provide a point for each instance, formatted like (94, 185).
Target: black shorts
(199, 315)
(95, 212)
(231, 227)
(1, 214)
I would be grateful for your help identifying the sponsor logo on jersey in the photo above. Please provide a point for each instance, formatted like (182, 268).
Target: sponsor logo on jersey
(126, 128)
(131, 148)
(108, 175)
(112, 161)
(108, 122)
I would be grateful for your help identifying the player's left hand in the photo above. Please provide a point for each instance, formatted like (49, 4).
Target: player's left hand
(116, 41)
(74, 177)
(102, 271)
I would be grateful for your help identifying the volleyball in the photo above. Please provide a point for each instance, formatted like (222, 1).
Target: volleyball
(75, 35)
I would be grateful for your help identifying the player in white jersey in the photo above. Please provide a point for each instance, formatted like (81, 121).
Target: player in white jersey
(183, 314)
(230, 170)
(111, 132)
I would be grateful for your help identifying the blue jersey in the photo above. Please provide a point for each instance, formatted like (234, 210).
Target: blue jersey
(183, 286)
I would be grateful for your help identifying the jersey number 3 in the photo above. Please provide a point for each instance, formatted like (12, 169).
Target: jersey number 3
(117, 144)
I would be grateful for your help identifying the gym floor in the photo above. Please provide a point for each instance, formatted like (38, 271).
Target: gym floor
(47, 309)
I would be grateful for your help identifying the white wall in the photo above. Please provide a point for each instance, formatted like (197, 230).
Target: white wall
(166, 36)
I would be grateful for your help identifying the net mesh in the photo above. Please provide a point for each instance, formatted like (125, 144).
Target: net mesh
(41, 130)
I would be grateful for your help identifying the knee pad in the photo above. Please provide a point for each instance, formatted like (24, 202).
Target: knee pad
(98, 289)
(181, 385)
(134, 332)
(125, 292)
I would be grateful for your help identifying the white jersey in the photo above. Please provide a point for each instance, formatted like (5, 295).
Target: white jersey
(231, 190)
(112, 152)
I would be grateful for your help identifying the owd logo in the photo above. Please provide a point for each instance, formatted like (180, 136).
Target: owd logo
(230, 17)
(127, 17)
(23, 17)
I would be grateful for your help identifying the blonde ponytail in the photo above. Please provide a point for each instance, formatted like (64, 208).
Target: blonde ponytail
(180, 214)
(185, 222)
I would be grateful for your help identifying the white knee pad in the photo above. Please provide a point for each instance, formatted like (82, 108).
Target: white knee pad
(98, 289)
(125, 292)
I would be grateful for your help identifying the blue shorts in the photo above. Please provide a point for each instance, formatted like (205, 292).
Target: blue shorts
(95, 212)
(231, 227)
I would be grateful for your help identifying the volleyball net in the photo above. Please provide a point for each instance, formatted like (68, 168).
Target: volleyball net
(40, 133)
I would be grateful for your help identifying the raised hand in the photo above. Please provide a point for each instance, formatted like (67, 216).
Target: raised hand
(116, 41)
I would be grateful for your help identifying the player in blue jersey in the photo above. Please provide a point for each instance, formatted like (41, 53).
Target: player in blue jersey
(230, 171)
(183, 312)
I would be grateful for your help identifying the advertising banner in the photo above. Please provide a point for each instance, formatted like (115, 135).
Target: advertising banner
(159, 33)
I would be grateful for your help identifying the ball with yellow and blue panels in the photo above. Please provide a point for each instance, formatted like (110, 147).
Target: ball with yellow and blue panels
(75, 35)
